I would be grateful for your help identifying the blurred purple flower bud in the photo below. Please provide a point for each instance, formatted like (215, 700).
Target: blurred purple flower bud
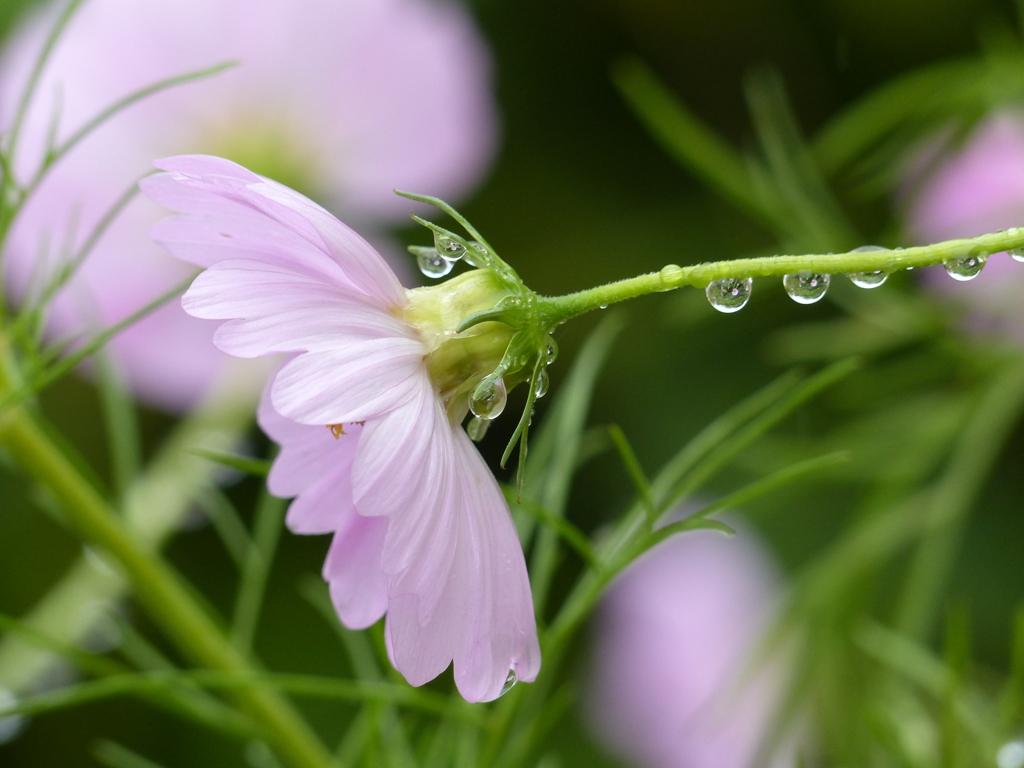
(976, 189)
(674, 680)
(344, 99)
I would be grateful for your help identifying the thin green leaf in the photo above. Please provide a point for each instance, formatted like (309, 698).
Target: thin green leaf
(193, 704)
(441, 204)
(112, 754)
(565, 425)
(309, 686)
(997, 413)
(758, 426)
(636, 472)
(776, 480)
(226, 521)
(246, 464)
(266, 534)
(810, 212)
(54, 373)
(522, 430)
(572, 535)
(691, 142)
(35, 309)
(90, 663)
(33, 83)
(118, 106)
(360, 651)
(864, 125)
(122, 426)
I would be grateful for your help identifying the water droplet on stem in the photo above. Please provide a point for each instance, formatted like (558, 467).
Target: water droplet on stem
(510, 680)
(730, 294)
(868, 279)
(448, 247)
(432, 263)
(490, 402)
(477, 428)
(1017, 254)
(965, 267)
(540, 386)
(806, 287)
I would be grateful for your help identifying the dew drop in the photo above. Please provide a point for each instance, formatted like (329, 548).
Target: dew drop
(540, 386)
(550, 351)
(11, 725)
(448, 247)
(432, 263)
(510, 680)
(604, 306)
(477, 428)
(730, 294)
(491, 401)
(806, 287)
(869, 279)
(1017, 254)
(965, 267)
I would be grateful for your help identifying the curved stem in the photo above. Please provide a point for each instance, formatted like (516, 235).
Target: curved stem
(158, 587)
(557, 309)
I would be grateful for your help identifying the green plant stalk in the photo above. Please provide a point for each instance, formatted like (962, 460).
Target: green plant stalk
(153, 509)
(557, 309)
(159, 589)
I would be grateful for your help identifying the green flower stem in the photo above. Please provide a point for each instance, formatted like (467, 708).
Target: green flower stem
(153, 509)
(159, 589)
(558, 309)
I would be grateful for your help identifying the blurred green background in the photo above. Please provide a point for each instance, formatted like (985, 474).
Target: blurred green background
(581, 195)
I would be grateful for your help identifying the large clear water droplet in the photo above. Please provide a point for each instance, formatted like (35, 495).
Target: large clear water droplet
(10, 726)
(868, 279)
(491, 401)
(730, 294)
(448, 247)
(965, 267)
(806, 287)
(540, 386)
(550, 351)
(477, 428)
(1017, 254)
(432, 263)
(510, 680)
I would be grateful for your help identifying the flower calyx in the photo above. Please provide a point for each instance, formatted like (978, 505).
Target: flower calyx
(493, 335)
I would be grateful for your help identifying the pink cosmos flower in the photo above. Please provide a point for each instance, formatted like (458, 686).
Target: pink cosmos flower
(347, 99)
(978, 189)
(421, 528)
(673, 640)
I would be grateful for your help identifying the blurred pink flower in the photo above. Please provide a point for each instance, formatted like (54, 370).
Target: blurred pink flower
(673, 644)
(347, 99)
(978, 188)
(421, 528)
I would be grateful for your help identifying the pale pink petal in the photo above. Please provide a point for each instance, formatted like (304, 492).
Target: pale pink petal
(362, 380)
(458, 588)
(673, 642)
(359, 588)
(316, 467)
(978, 189)
(359, 262)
